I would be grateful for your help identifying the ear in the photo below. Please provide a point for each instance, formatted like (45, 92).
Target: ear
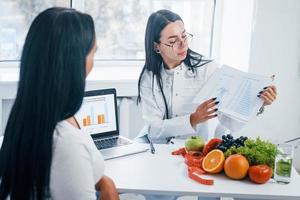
(156, 47)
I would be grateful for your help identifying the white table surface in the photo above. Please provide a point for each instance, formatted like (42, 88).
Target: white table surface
(162, 173)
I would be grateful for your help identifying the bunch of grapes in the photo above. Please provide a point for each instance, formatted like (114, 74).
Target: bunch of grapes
(228, 141)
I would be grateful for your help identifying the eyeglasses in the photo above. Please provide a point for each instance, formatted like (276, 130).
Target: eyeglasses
(187, 39)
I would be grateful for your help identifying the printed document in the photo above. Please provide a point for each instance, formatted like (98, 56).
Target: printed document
(236, 90)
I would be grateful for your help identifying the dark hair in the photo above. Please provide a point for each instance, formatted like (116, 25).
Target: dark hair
(156, 23)
(51, 88)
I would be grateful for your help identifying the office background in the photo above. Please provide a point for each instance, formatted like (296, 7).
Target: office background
(259, 36)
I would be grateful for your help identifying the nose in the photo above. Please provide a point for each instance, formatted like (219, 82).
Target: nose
(181, 43)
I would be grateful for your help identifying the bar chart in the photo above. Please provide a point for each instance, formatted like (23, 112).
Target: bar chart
(97, 114)
(95, 118)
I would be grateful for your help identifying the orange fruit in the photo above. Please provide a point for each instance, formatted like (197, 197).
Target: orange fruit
(236, 166)
(213, 162)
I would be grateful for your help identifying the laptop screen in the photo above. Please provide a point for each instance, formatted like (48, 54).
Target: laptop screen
(97, 114)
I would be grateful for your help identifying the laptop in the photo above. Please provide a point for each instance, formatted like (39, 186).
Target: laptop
(98, 117)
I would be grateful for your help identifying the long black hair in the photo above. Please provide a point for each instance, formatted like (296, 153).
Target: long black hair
(50, 89)
(153, 63)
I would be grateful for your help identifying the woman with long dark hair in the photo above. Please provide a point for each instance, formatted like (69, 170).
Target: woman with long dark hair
(44, 154)
(172, 75)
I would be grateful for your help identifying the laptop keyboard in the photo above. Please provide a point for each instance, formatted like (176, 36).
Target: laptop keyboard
(110, 142)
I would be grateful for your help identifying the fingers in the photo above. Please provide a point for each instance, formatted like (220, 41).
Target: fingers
(207, 110)
(210, 100)
(212, 104)
(269, 94)
(267, 99)
(208, 104)
(211, 116)
(271, 88)
(212, 111)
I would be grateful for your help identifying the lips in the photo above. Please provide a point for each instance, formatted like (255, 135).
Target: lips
(182, 53)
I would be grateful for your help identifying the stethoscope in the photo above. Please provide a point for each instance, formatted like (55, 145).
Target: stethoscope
(191, 73)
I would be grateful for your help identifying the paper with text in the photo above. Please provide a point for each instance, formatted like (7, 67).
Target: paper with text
(236, 90)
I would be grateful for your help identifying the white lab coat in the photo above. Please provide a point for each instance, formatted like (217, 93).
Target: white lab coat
(180, 86)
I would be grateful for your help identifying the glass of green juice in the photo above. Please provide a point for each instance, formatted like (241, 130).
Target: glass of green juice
(283, 163)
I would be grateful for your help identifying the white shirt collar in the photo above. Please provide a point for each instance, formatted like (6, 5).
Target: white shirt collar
(172, 71)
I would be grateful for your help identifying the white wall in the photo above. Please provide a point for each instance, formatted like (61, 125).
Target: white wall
(263, 37)
(275, 49)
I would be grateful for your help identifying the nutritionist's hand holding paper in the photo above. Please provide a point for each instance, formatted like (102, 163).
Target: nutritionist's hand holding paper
(236, 90)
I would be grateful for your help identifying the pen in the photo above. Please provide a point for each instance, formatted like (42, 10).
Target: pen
(292, 140)
(151, 145)
(273, 77)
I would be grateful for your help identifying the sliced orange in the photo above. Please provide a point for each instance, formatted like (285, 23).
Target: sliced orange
(213, 162)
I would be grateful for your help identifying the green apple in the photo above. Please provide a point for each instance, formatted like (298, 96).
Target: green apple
(194, 143)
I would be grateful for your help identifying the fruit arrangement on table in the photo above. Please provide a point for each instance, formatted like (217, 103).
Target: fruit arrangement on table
(237, 157)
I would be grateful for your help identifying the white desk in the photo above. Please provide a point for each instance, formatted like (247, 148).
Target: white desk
(165, 174)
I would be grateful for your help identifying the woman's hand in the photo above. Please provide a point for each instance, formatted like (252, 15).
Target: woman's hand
(204, 112)
(268, 94)
(107, 189)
